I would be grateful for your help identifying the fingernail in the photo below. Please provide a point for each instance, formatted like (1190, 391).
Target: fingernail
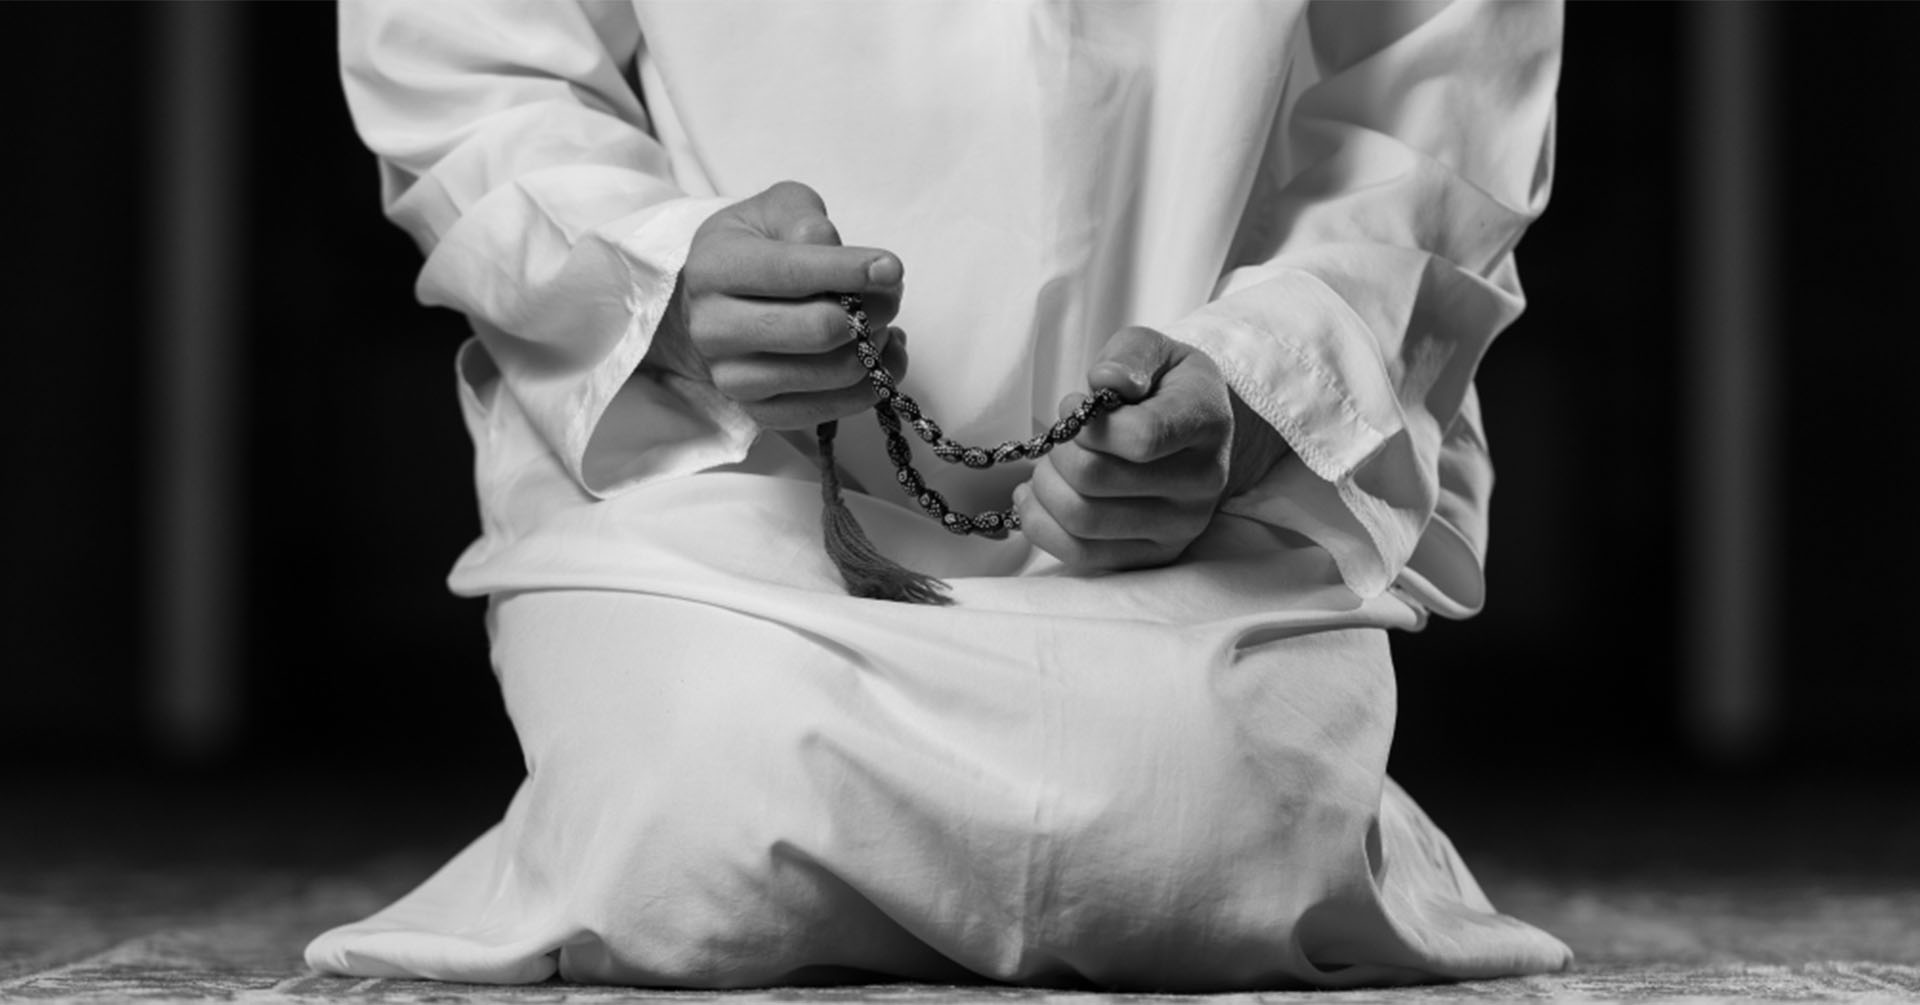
(884, 271)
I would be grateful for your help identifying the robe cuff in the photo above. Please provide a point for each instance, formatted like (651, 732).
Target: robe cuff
(1303, 360)
(569, 343)
(630, 426)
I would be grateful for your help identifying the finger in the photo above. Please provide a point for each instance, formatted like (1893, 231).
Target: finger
(1163, 521)
(744, 264)
(809, 409)
(800, 409)
(884, 274)
(739, 326)
(1122, 447)
(1188, 476)
(1158, 428)
(760, 377)
(1190, 409)
(1132, 361)
(1039, 527)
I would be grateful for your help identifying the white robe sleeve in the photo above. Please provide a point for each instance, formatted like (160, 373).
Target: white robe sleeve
(1373, 274)
(517, 153)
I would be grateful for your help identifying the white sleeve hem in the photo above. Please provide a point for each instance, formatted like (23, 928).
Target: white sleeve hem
(654, 250)
(1302, 381)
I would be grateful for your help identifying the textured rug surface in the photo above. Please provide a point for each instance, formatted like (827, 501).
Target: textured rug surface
(208, 897)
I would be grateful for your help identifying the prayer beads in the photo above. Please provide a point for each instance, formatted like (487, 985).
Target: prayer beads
(896, 411)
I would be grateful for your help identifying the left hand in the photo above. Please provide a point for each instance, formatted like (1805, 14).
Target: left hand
(1140, 483)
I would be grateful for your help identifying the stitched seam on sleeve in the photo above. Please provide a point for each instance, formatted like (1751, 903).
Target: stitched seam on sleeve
(1255, 394)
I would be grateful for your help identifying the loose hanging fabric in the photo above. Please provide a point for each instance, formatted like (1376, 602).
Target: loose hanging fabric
(870, 574)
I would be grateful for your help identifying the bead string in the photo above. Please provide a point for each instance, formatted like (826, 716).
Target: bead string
(894, 407)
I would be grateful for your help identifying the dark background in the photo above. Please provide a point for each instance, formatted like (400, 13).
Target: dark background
(355, 663)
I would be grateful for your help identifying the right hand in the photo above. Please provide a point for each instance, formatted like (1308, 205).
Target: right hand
(757, 311)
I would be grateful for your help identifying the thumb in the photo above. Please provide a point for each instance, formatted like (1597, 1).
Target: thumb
(1132, 362)
(794, 213)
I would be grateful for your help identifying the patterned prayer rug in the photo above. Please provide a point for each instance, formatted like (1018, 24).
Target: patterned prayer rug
(218, 908)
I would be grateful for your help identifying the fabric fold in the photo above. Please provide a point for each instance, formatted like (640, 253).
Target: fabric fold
(515, 151)
(1165, 778)
(1359, 302)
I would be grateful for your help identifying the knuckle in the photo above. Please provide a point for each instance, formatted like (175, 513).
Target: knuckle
(711, 265)
(1182, 525)
(829, 328)
(702, 331)
(769, 416)
(1213, 480)
(1045, 530)
(1077, 514)
(1216, 425)
(713, 230)
(788, 190)
(1072, 550)
(729, 380)
(791, 201)
(1178, 428)
(1139, 439)
(700, 265)
(846, 372)
(1155, 524)
(764, 327)
(817, 230)
(1082, 469)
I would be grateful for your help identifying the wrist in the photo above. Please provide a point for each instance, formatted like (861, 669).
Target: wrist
(671, 347)
(1255, 449)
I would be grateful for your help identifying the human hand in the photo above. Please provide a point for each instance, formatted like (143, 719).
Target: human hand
(1141, 482)
(757, 311)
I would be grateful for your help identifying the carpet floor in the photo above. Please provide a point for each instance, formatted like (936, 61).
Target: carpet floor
(208, 893)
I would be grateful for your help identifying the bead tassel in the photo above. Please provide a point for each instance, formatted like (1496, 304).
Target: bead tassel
(866, 572)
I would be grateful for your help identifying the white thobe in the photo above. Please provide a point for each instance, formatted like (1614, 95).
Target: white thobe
(1166, 778)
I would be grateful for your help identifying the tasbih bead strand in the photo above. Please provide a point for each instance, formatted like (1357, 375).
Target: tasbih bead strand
(895, 408)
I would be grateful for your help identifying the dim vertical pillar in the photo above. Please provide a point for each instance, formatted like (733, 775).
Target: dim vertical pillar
(193, 696)
(1731, 685)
